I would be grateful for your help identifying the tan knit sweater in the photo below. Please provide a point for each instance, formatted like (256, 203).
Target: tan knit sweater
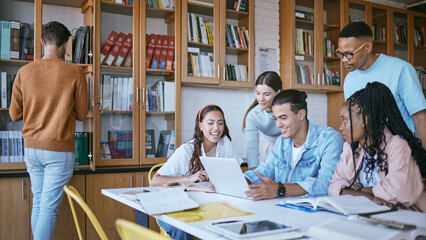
(49, 95)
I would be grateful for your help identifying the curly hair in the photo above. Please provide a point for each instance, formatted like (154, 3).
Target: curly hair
(379, 110)
(195, 163)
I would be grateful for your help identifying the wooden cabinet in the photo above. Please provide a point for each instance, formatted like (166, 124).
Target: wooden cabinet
(216, 49)
(160, 88)
(15, 208)
(309, 36)
(416, 54)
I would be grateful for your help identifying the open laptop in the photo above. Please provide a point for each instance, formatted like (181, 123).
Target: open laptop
(226, 176)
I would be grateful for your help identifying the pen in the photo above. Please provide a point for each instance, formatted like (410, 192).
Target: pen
(226, 222)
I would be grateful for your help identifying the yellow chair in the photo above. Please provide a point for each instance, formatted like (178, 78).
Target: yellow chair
(132, 231)
(152, 169)
(73, 194)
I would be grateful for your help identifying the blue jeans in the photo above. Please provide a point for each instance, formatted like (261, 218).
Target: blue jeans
(174, 232)
(49, 171)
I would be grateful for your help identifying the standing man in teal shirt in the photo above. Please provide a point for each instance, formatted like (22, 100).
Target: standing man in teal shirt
(356, 51)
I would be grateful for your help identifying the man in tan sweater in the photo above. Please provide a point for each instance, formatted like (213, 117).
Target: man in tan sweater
(49, 95)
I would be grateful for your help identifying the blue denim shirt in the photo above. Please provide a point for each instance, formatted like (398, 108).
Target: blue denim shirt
(314, 169)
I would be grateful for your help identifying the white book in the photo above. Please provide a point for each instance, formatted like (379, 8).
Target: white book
(130, 95)
(3, 90)
(124, 95)
(4, 158)
(203, 31)
(194, 27)
(169, 96)
(172, 143)
(166, 201)
(338, 228)
(343, 204)
(107, 87)
(119, 93)
(114, 93)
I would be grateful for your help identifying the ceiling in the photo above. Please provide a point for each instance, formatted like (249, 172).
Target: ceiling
(419, 8)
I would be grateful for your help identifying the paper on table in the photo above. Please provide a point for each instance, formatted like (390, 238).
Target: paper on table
(209, 212)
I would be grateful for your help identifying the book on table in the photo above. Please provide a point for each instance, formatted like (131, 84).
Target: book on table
(343, 204)
(191, 186)
(166, 201)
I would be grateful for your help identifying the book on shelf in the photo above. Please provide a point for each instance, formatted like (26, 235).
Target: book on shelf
(128, 62)
(3, 89)
(78, 43)
(113, 53)
(191, 186)
(338, 228)
(130, 95)
(164, 143)
(15, 32)
(107, 92)
(157, 52)
(172, 144)
(82, 150)
(11, 147)
(150, 49)
(108, 45)
(166, 201)
(343, 204)
(24, 41)
(170, 63)
(69, 51)
(124, 50)
(208, 3)
(150, 143)
(5, 40)
(304, 15)
(169, 96)
(121, 143)
(164, 51)
(104, 151)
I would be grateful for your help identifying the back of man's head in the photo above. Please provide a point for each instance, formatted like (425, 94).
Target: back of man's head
(55, 33)
(356, 30)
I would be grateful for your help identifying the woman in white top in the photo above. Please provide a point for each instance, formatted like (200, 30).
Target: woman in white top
(259, 124)
(211, 139)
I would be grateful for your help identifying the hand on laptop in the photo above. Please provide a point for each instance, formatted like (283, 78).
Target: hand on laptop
(200, 176)
(266, 189)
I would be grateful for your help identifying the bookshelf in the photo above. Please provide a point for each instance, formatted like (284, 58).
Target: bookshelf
(307, 47)
(400, 34)
(418, 52)
(216, 49)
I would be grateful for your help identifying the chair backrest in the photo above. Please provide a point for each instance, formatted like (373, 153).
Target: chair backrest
(73, 194)
(132, 231)
(152, 169)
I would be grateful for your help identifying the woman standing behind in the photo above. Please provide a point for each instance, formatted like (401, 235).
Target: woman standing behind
(382, 159)
(259, 124)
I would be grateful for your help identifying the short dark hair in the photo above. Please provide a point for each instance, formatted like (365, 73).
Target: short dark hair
(356, 30)
(296, 98)
(55, 32)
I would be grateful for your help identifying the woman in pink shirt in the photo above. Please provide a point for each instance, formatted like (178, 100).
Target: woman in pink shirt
(390, 162)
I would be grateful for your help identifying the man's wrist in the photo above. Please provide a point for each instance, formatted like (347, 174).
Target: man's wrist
(281, 190)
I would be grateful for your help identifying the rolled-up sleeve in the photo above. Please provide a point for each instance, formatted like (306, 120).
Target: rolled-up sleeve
(266, 168)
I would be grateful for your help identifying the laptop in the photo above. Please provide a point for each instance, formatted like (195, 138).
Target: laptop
(226, 176)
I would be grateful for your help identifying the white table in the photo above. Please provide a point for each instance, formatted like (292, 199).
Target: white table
(265, 209)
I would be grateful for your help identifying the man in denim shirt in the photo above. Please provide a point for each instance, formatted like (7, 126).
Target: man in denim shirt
(303, 159)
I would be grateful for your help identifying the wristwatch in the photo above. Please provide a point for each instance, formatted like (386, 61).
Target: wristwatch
(281, 190)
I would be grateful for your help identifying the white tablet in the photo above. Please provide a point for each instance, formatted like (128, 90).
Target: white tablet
(240, 229)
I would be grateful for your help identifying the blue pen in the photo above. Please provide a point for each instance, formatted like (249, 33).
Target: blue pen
(301, 208)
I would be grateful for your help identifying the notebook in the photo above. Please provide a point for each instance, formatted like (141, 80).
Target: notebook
(226, 176)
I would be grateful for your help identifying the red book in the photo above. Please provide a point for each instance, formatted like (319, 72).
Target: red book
(129, 59)
(115, 49)
(124, 50)
(170, 53)
(164, 51)
(150, 49)
(157, 52)
(147, 36)
(108, 45)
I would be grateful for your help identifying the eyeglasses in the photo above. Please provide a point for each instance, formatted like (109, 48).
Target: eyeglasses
(349, 55)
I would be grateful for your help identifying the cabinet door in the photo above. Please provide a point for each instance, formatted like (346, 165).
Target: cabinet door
(160, 111)
(200, 42)
(65, 227)
(107, 210)
(15, 208)
(117, 75)
(237, 43)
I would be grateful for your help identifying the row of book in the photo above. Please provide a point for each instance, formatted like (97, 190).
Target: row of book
(330, 77)
(166, 143)
(117, 50)
(162, 4)
(419, 37)
(16, 40)
(117, 93)
(400, 34)
(161, 97)
(328, 48)
(236, 72)
(304, 74)
(237, 5)
(304, 42)
(80, 46)
(160, 52)
(379, 33)
(236, 37)
(6, 84)
(304, 15)
(82, 150)
(120, 143)
(11, 147)
(200, 31)
(200, 64)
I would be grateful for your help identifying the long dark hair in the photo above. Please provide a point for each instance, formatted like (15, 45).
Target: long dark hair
(195, 163)
(379, 110)
(270, 79)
